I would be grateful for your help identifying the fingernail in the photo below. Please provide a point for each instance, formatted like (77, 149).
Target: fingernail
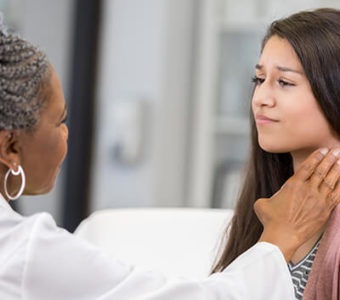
(336, 152)
(338, 162)
(324, 151)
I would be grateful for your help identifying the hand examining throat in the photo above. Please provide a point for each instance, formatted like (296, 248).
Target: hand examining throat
(303, 204)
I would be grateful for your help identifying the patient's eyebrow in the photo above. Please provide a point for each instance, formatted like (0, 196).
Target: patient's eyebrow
(280, 68)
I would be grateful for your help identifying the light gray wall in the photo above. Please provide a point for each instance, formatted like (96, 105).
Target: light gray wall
(173, 135)
(145, 54)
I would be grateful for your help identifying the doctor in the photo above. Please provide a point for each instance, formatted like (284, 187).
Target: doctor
(41, 261)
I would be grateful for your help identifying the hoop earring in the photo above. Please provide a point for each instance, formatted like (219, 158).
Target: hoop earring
(23, 182)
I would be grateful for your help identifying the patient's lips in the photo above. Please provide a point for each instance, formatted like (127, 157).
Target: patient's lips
(262, 120)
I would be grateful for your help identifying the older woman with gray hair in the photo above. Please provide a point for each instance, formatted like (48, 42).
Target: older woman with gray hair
(41, 261)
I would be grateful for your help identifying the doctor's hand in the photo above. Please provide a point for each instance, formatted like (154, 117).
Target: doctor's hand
(303, 204)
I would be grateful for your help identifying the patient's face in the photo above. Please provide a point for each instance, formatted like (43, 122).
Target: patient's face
(288, 117)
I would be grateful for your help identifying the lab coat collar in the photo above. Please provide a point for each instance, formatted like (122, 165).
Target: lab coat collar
(4, 203)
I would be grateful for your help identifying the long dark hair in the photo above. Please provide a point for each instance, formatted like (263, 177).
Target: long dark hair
(315, 37)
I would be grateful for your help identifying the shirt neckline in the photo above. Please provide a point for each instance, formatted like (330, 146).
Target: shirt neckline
(292, 266)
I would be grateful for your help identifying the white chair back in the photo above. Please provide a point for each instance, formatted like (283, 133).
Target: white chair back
(178, 242)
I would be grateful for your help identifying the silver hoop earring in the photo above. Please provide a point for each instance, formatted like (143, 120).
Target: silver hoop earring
(23, 182)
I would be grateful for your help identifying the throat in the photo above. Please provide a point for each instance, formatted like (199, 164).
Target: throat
(305, 248)
(299, 157)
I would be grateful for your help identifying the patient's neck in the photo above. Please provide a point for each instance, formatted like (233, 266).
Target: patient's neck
(298, 158)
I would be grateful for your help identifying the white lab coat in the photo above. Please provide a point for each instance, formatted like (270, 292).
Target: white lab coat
(41, 261)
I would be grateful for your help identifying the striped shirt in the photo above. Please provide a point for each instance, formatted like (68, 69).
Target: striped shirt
(300, 271)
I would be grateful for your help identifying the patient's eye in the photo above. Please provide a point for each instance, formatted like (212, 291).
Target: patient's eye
(284, 83)
(257, 80)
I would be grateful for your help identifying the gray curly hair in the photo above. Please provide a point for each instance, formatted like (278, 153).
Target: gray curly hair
(24, 71)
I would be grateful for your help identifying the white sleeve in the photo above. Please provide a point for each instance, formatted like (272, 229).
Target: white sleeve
(60, 266)
(259, 273)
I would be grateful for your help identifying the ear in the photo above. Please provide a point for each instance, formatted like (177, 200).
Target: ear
(9, 149)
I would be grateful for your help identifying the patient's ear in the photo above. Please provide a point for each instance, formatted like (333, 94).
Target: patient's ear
(9, 149)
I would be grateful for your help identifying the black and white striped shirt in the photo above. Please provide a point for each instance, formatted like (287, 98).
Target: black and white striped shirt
(300, 271)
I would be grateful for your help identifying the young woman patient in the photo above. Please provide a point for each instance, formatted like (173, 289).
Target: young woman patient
(295, 110)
